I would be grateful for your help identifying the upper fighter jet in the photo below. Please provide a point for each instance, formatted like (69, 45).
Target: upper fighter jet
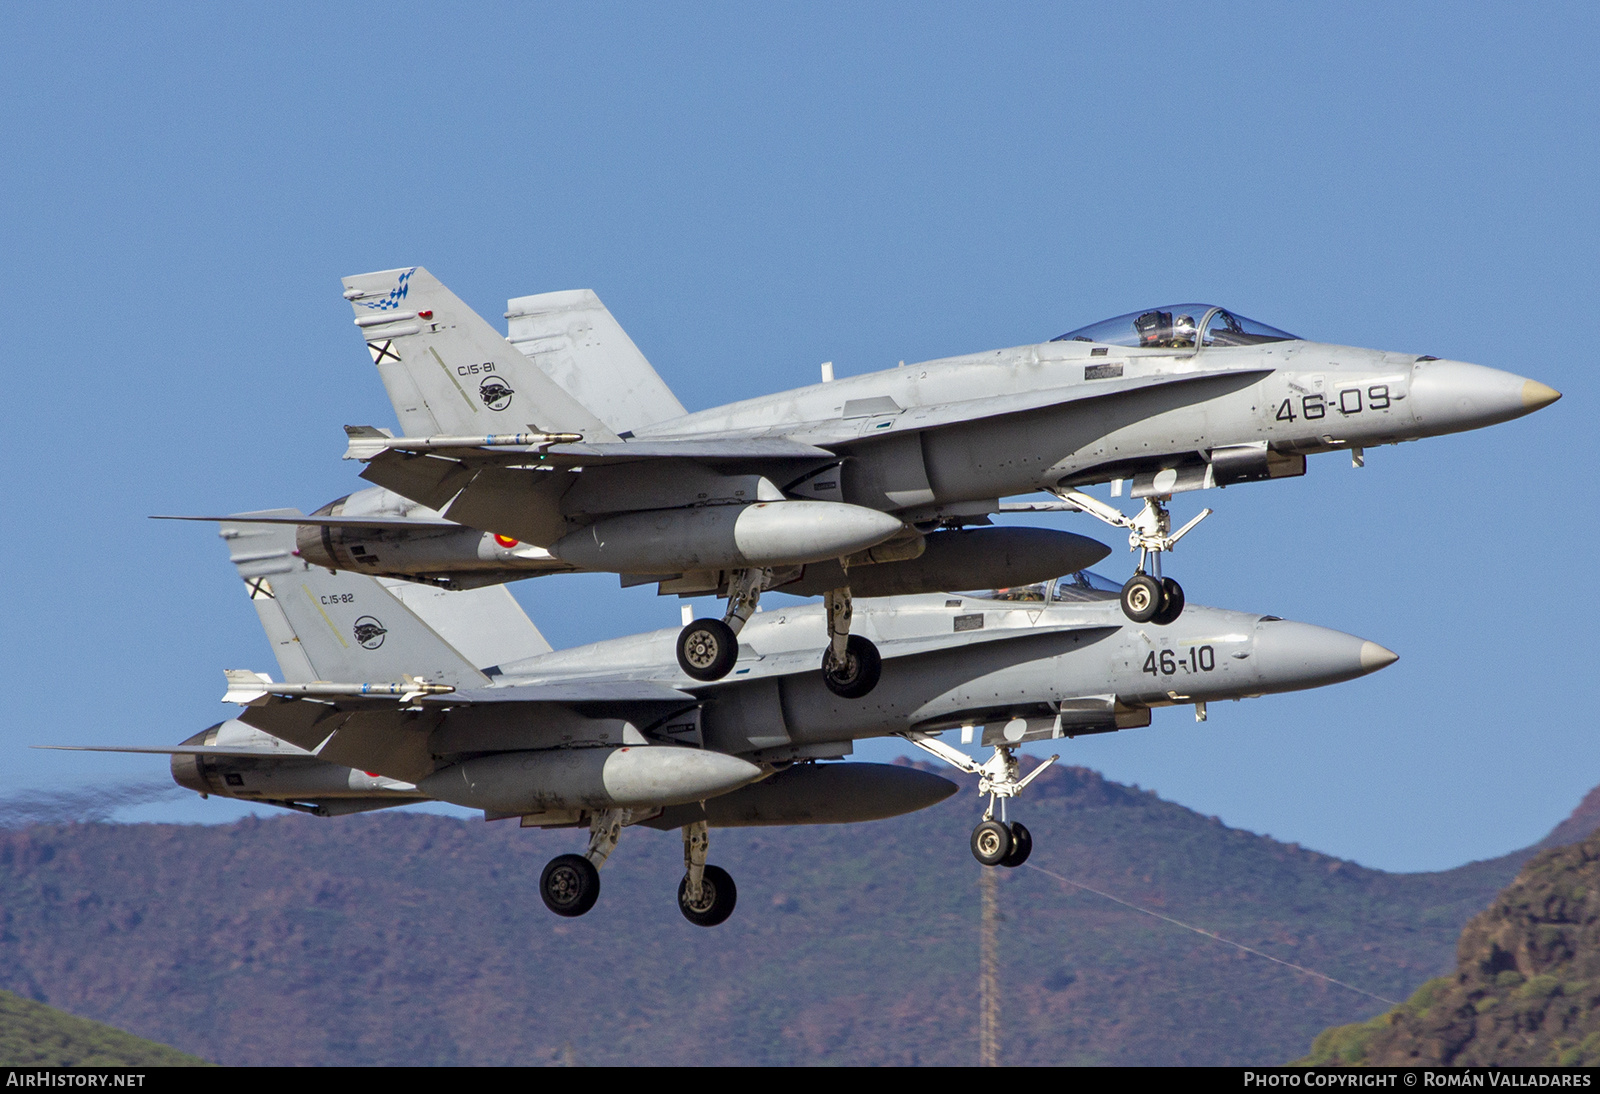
(574, 453)
(398, 693)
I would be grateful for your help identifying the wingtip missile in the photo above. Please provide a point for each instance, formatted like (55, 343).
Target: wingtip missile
(246, 687)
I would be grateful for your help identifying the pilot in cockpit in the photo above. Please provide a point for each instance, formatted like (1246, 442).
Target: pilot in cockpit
(1159, 330)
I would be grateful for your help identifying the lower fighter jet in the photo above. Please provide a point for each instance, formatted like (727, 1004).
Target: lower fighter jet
(396, 692)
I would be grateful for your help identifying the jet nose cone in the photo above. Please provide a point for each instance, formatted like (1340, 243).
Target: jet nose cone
(1298, 655)
(1536, 396)
(1375, 657)
(1449, 396)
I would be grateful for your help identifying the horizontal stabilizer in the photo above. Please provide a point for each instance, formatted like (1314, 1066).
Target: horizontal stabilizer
(288, 751)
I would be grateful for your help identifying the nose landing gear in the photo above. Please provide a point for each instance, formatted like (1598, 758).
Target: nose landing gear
(994, 842)
(1147, 597)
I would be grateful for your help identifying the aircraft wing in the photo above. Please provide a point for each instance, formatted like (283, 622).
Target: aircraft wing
(792, 442)
(799, 442)
(306, 720)
(365, 443)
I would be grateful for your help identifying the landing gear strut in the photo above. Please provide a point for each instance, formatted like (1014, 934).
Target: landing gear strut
(1147, 597)
(851, 664)
(994, 842)
(570, 884)
(706, 895)
(708, 648)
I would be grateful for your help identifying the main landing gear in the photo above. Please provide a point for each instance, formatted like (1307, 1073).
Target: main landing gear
(706, 895)
(707, 648)
(994, 842)
(1147, 597)
(570, 884)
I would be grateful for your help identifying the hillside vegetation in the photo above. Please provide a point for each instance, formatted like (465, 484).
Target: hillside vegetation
(34, 1035)
(411, 938)
(1526, 990)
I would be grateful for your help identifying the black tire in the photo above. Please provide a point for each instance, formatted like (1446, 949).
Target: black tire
(1141, 598)
(991, 843)
(862, 668)
(1021, 846)
(707, 649)
(1171, 602)
(569, 885)
(718, 895)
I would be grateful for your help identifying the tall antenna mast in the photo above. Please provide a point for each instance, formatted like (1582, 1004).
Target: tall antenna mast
(988, 974)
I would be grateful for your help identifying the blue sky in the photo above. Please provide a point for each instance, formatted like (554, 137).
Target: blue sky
(755, 189)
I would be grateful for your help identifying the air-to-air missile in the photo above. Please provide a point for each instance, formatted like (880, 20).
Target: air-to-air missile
(396, 692)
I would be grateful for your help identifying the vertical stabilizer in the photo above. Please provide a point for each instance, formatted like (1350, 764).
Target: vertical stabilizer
(262, 552)
(340, 627)
(580, 345)
(486, 625)
(447, 371)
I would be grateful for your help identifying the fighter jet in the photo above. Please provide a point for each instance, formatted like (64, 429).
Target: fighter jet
(396, 692)
(573, 454)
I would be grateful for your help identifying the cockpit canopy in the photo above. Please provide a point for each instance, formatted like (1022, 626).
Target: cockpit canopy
(1081, 586)
(1178, 326)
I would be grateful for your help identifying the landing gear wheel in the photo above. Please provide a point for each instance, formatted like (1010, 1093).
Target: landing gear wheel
(569, 885)
(1171, 602)
(707, 649)
(717, 898)
(1141, 598)
(1021, 846)
(862, 667)
(991, 843)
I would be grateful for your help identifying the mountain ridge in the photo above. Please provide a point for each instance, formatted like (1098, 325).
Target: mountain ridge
(417, 938)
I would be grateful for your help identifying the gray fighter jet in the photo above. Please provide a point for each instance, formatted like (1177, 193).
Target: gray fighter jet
(396, 692)
(573, 454)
